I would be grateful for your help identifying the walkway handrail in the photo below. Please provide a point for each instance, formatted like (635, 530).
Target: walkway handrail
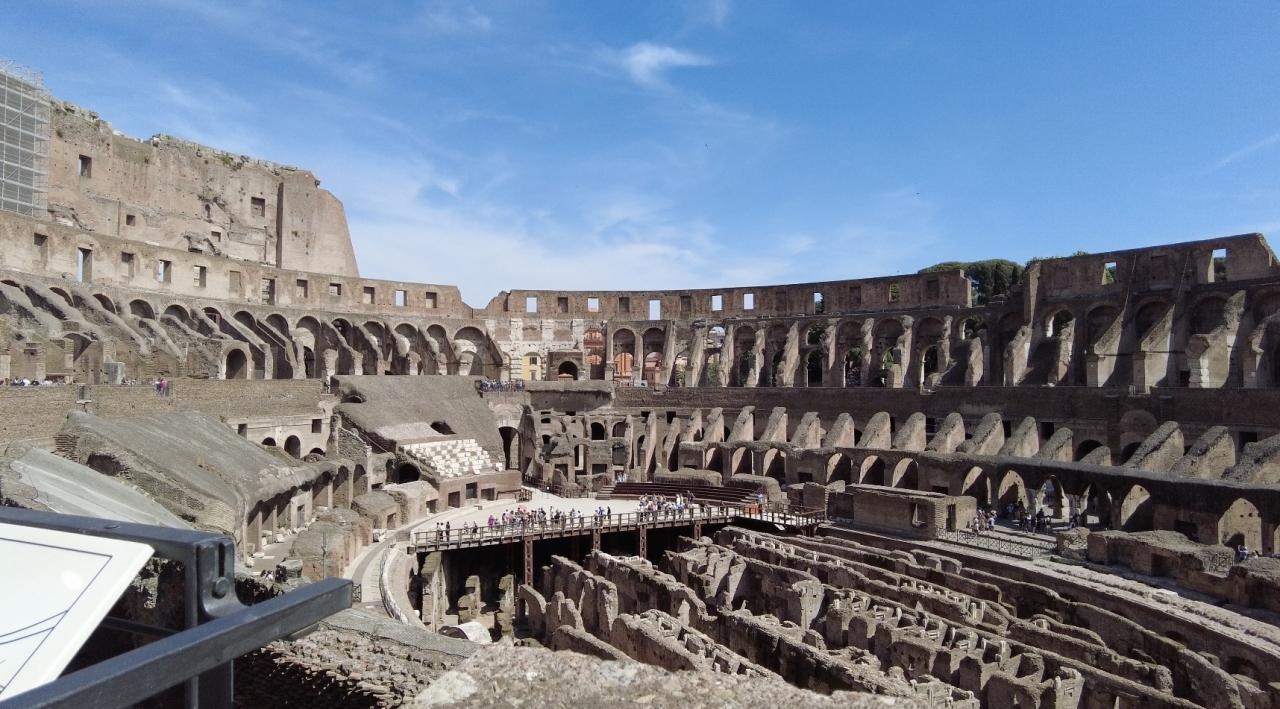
(466, 535)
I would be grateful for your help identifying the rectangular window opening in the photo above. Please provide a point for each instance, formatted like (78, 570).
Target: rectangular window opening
(1219, 265)
(269, 291)
(402, 297)
(531, 304)
(624, 304)
(301, 289)
(164, 271)
(686, 303)
(84, 265)
(655, 309)
(369, 296)
(1109, 272)
(593, 305)
(317, 425)
(717, 303)
(84, 167)
(748, 301)
(429, 299)
(819, 304)
(562, 305)
(130, 220)
(198, 276)
(895, 294)
(258, 206)
(335, 290)
(126, 263)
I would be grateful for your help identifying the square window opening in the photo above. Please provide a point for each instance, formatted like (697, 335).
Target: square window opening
(258, 206)
(429, 299)
(130, 220)
(593, 305)
(335, 290)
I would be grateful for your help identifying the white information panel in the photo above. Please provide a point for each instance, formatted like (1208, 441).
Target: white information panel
(56, 588)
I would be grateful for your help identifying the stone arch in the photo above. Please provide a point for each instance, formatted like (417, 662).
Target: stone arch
(1086, 447)
(1052, 498)
(744, 341)
(567, 371)
(624, 354)
(597, 431)
(141, 309)
(106, 302)
(407, 472)
(654, 342)
(906, 474)
(593, 354)
(237, 365)
(1207, 314)
(269, 442)
(872, 471)
(741, 461)
(839, 468)
(977, 484)
(1097, 506)
(774, 463)
(475, 355)
(1012, 490)
(620, 429)
(293, 446)
(714, 459)
(815, 367)
(1147, 316)
(510, 446)
(1241, 524)
(1135, 513)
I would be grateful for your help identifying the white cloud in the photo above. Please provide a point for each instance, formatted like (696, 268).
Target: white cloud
(647, 64)
(1246, 151)
(718, 11)
(451, 18)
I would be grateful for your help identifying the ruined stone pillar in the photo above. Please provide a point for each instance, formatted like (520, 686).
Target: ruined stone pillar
(728, 357)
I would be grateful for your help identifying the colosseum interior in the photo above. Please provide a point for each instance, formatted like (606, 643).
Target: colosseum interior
(758, 494)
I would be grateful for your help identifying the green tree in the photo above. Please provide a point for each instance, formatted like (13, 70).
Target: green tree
(990, 278)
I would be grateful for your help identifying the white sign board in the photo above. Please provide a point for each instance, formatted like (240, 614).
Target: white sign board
(57, 587)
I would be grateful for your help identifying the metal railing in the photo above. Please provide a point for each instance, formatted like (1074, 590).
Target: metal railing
(217, 627)
(483, 535)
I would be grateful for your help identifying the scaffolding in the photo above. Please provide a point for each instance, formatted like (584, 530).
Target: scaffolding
(24, 140)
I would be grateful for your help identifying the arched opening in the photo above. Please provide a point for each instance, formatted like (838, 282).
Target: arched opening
(1241, 525)
(775, 465)
(237, 365)
(1136, 511)
(977, 484)
(597, 431)
(1097, 507)
(853, 367)
(814, 368)
(1051, 498)
(715, 460)
(872, 471)
(141, 309)
(269, 442)
(906, 474)
(1085, 448)
(316, 453)
(620, 429)
(839, 468)
(931, 360)
(407, 473)
(742, 462)
(1127, 452)
(593, 350)
(360, 481)
(293, 446)
(510, 439)
(624, 354)
(1012, 492)
(442, 428)
(1059, 322)
(567, 371)
(105, 302)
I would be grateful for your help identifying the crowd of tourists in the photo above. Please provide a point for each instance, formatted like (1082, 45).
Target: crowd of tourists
(26, 382)
(493, 385)
(1017, 514)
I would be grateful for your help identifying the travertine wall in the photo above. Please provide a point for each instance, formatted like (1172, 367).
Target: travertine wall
(181, 195)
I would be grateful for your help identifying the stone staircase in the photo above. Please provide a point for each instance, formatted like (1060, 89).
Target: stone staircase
(452, 458)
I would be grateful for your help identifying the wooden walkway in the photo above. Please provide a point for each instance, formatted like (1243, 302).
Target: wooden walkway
(801, 521)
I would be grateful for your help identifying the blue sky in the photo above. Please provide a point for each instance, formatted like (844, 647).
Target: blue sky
(612, 145)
